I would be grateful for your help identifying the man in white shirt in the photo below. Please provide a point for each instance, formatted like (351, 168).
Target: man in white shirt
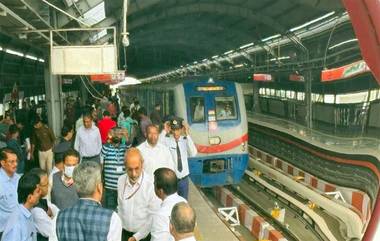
(44, 213)
(88, 141)
(182, 222)
(87, 219)
(155, 154)
(136, 199)
(165, 185)
(181, 146)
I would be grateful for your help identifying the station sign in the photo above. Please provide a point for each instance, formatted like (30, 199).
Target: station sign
(296, 77)
(108, 78)
(345, 72)
(262, 77)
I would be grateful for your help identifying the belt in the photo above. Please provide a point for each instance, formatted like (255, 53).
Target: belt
(90, 157)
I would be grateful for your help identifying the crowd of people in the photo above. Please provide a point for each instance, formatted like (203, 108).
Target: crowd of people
(120, 176)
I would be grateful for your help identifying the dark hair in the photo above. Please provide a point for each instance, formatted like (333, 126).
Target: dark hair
(36, 120)
(106, 113)
(4, 153)
(13, 129)
(38, 171)
(126, 112)
(71, 152)
(26, 186)
(65, 130)
(87, 115)
(142, 110)
(165, 179)
(183, 218)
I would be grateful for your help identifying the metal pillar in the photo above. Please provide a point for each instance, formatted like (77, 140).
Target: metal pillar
(256, 100)
(308, 101)
(53, 90)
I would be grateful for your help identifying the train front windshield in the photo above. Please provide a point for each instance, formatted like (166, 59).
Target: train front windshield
(212, 103)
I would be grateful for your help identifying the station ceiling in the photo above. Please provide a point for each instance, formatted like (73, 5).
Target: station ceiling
(164, 34)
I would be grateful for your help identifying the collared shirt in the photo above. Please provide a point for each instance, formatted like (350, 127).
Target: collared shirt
(161, 219)
(44, 224)
(104, 126)
(187, 149)
(8, 196)
(88, 142)
(53, 171)
(43, 138)
(136, 204)
(112, 158)
(155, 157)
(19, 226)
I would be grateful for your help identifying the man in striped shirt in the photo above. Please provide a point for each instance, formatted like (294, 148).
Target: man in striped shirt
(112, 158)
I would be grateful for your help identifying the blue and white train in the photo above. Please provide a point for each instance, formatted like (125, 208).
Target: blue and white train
(216, 114)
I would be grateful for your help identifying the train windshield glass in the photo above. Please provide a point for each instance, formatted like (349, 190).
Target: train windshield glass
(225, 108)
(197, 106)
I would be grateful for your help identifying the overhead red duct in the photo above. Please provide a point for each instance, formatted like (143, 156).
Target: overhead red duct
(365, 18)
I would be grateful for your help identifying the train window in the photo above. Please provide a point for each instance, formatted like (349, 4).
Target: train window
(225, 108)
(197, 107)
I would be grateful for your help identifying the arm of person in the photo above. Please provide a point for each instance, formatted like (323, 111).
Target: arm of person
(98, 142)
(160, 228)
(114, 233)
(154, 205)
(191, 148)
(76, 142)
(42, 222)
(51, 135)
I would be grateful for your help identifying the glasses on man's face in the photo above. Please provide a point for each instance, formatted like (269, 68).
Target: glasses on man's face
(12, 162)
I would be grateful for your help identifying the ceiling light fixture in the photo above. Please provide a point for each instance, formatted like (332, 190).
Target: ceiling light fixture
(31, 57)
(312, 21)
(271, 37)
(246, 46)
(280, 58)
(9, 51)
(344, 42)
(229, 52)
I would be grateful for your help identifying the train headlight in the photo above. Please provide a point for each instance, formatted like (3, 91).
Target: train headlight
(215, 140)
(243, 146)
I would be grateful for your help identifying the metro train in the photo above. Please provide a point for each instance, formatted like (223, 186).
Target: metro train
(216, 114)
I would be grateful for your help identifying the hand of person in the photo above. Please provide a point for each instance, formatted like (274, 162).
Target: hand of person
(132, 239)
(186, 128)
(49, 212)
(167, 126)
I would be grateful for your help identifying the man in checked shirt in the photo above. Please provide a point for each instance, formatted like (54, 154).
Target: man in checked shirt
(137, 200)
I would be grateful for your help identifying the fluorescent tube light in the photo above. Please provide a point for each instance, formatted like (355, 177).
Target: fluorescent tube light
(312, 21)
(344, 42)
(271, 37)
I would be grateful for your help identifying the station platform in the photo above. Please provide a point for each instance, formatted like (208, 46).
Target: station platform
(209, 226)
(363, 145)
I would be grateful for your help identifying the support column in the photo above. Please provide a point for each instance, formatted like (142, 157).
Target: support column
(308, 101)
(256, 99)
(53, 90)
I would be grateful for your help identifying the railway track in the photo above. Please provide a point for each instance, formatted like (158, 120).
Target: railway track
(302, 227)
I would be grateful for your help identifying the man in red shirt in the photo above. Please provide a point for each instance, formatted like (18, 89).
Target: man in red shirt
(105, 125)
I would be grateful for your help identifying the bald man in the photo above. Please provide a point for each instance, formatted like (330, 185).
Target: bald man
(136, 198)
(182, 222)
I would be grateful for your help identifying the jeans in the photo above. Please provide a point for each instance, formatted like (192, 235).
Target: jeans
(183, 187)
